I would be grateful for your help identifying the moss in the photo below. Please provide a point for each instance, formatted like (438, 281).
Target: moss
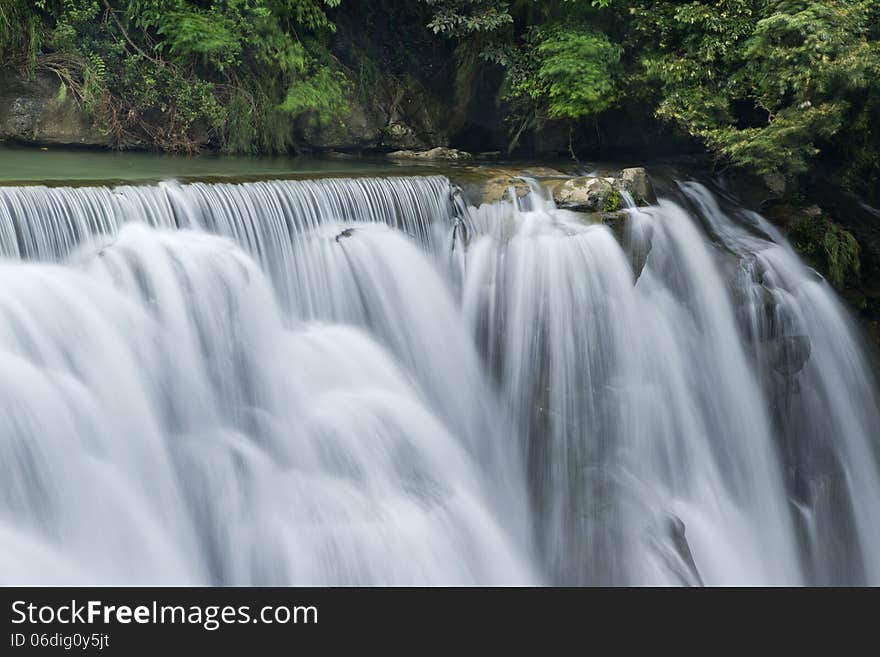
(828, 248)
(612, 203)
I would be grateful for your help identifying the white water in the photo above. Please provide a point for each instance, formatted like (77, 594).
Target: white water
(366, 382)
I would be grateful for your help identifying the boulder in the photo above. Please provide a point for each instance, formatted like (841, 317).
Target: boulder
(584, 194)
(41, 110)
(439, 153)
(636, 181)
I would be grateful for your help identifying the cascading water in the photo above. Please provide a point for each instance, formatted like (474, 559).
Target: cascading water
(368, 382)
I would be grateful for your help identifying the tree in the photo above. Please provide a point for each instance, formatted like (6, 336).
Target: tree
(765, 84)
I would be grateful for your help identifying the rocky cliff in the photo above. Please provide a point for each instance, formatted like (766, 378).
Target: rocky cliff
(37, 108)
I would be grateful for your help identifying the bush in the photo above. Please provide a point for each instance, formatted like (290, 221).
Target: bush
(828, 248)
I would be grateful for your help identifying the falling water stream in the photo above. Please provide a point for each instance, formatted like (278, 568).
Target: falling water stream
(368, 381)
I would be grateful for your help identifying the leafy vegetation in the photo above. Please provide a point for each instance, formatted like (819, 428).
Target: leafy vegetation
(768, 85)
(612, 203)
(772, 86)
(184, 74)
(828, 248)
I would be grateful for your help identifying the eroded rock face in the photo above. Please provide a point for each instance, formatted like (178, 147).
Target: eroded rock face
(40, 110)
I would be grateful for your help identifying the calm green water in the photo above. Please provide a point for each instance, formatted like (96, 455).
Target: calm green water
(20, 165)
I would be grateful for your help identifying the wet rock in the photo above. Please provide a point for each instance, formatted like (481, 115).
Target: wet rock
(584, 194)
(617, 222)
(635, 180)
(672, 546)
(620, 223)
(787, 355)
(439, 153)
(676, 529)
(345, 233)
(764, 302)
(42, 110)
(499, 189)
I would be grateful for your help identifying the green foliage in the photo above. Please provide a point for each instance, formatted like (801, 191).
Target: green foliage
(765, 84)
(774, 86)
(557, 66)
(575, 72)
(20, 28)
(612, 203)
(828, 248)
(321, 93)
(254, 123)
(174, 73)
(768, 85)
(458, 18)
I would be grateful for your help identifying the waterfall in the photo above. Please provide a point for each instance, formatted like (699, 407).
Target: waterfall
(366, 381)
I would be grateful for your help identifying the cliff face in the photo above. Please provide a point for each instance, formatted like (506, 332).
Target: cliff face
(38, 109)
(398, 113)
